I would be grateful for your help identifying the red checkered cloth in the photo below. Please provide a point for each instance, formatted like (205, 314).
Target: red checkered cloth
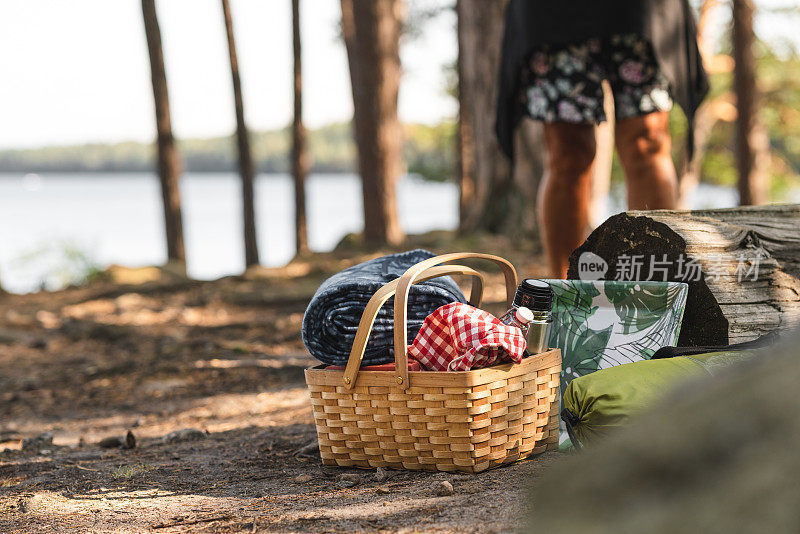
(460, 337)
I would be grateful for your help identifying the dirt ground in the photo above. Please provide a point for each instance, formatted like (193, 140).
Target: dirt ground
(208, 378)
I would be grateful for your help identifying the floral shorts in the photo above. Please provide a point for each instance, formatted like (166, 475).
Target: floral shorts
(563, 83)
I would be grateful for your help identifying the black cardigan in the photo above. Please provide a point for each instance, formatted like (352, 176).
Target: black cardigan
(668, 25)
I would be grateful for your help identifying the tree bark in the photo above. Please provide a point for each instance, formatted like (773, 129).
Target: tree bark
(752, 144)
(301, 159)
(465, 136)
(708, 115)
(603, 161)
(169, 164)
(528, 172)
(480, 37)
(689, 177)
(749, 257)
(704, 42)
(371, 31)
(243, 144)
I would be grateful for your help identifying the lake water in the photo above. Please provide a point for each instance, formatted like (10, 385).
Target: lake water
(52, 224)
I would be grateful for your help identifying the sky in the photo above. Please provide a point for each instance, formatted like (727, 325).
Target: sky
(75, 71)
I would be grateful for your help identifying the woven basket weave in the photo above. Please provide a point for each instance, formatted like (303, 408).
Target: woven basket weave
(465, 421)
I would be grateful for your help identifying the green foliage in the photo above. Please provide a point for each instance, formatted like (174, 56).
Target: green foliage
(331, 147)
(420, 13)
(126, 472)
(69, 264)
(779, 81)
(430, 151)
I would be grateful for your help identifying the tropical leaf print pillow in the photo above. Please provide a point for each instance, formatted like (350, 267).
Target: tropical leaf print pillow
(600, 324)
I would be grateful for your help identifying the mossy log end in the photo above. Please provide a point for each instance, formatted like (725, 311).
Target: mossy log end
(749, 257)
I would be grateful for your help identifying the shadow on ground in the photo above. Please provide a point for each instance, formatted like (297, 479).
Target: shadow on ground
(208, 377)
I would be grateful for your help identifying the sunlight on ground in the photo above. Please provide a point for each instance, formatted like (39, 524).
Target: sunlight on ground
(367, 510)
(147, 508)
(273, 363)
(124, 511)
(216, 413)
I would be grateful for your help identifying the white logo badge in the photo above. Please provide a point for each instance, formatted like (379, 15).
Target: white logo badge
(591, 266)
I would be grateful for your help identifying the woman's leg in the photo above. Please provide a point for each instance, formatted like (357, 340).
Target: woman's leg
(643, 145)
(565, 191)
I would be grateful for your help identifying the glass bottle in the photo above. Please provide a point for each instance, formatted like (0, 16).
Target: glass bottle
(519, 317)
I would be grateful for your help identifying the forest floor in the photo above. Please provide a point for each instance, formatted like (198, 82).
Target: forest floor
(208, 378)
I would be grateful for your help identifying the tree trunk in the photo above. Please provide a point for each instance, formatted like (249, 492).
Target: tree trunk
(493, 198)
(752, 144)
(301, 159)
(528, 172)
(704, 42)
(497, 203)
(689, 177)
(169, 164)
(603, 161)
(465, 137)
(371, 31)
(742, 265)
(243, 145)
(708, 115)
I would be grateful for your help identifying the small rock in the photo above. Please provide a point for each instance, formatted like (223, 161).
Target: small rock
(185, 434)
(348, 480)
(110, 442)
(45, 439)
(380, 474)
(45, 452)
(383, 490)
(81, 442)
(38, 343)
(30, 384)
(130, 441)
(176, 456)
(302, 479)
(444, 488)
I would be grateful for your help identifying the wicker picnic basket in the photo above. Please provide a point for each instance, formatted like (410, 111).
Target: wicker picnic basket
(465, 421)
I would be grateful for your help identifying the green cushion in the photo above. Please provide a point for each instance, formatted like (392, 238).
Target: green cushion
(603, 401)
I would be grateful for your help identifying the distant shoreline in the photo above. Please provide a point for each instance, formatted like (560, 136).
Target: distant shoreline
(429, 151)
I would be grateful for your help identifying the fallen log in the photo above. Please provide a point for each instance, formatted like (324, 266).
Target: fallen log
(742, 265)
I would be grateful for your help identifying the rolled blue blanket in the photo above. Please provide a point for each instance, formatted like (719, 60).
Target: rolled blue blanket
(332, 316)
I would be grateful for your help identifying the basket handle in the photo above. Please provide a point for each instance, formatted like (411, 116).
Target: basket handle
(400, 301)
(385, 293)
